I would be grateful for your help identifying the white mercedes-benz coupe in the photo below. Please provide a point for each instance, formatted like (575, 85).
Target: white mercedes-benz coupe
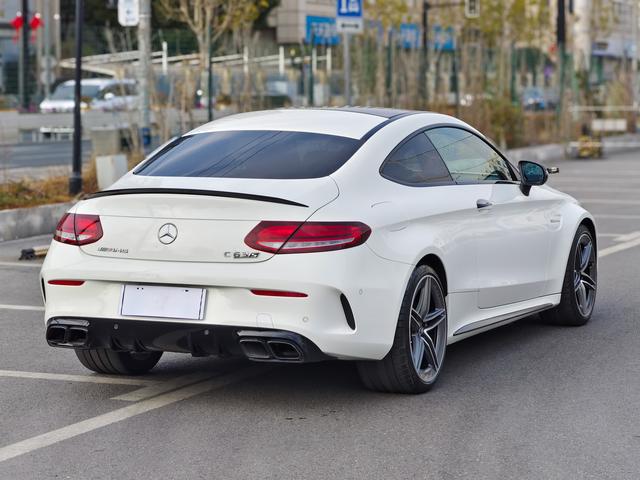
(298, 235)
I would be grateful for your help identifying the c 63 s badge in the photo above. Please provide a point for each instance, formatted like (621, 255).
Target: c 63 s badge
(241, 255)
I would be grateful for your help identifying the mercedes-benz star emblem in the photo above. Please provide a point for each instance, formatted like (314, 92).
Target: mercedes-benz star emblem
(167, 233)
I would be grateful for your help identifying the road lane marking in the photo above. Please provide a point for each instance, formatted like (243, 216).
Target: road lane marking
(55, 436)
(627, 236)
(31, 308)
(612, 235)
(619, 247)
(105, 379)
(18, 264)
(163, 387)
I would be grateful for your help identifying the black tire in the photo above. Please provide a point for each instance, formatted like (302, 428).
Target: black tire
(570, 312)
(102, 360)
(397, 371)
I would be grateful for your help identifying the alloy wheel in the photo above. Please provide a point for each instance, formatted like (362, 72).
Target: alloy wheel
(428, 328)
(584, 275)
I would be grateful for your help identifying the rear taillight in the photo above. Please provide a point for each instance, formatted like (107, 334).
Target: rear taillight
(294, 237)
(78, 229)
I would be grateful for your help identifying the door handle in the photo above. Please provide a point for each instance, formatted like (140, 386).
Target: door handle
(482, 203)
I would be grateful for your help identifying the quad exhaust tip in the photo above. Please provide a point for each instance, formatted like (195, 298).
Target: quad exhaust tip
(67, 336)
(275, 350)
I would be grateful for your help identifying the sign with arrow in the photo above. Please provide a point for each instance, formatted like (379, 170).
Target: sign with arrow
(349, 16)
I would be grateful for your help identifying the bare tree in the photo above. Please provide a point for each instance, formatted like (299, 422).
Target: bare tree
(221, 16)
(389, 14)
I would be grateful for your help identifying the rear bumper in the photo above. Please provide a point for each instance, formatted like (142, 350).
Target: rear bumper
(372, 286)
(263, 345)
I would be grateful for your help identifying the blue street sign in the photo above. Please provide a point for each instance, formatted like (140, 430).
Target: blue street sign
(349, 8)
(443, 39)
(321, 31)
(409, 35)
(349, 16)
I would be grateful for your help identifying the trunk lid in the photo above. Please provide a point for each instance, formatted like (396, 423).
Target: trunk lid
(197, 219)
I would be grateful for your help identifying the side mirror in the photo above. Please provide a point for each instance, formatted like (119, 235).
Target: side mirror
(109, 96)
(532, 174)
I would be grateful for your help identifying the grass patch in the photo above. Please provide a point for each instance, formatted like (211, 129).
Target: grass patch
(32, 193)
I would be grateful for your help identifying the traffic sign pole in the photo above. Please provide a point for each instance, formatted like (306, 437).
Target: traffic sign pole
(348, 21)
(347, 69)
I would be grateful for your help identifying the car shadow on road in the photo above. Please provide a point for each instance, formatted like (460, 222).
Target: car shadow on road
(493, 359)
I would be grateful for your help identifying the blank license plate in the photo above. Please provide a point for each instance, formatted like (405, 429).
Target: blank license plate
(164, 302)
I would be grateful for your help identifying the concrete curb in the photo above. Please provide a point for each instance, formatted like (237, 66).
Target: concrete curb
(29, 222)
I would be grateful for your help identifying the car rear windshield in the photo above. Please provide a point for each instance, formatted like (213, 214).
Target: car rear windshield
(251, 154)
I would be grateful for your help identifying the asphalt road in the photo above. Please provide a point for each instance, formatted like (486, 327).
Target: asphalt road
(526, 401)
(43, 154)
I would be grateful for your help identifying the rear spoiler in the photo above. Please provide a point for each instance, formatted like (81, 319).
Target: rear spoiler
(188, 191)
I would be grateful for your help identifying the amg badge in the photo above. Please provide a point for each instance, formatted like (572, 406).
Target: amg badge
(241, 255)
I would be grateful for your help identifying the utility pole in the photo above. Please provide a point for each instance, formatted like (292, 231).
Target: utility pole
(144, 84)
(47, 48)
(347, 69)
(209, 68)
(389, 75)
(423, 84)
(634, 67)
(312, 70)
(24, 65)
(75, 180)
(57, 35)
(561, 40)
(456, 76)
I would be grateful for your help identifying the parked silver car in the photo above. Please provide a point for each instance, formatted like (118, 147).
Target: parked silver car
(97, 93)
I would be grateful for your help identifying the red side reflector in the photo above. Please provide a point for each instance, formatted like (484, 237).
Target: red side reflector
(68, 283)
(293, 237)
(78, 229)
(278, 293)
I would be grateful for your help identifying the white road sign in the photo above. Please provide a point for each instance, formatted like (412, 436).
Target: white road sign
(128, 13)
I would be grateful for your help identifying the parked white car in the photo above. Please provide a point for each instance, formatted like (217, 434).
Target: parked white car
(300, 235)
(97, 93)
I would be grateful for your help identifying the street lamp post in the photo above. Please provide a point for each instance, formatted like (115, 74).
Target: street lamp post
(210, 93)
(24, 77)
(75, 180)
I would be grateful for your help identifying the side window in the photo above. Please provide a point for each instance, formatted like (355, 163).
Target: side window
(416, 163)
(468, 157)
